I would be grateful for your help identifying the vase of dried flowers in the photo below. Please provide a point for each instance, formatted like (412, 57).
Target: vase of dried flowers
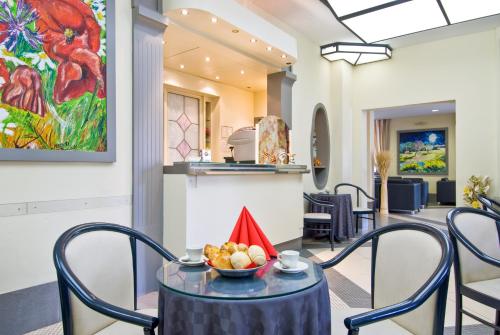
(383, 162)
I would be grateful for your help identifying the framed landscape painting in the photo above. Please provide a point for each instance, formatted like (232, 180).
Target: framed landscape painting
(57, 83)
(423, 152)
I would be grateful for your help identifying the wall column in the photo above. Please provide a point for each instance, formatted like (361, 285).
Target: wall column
(149, 27)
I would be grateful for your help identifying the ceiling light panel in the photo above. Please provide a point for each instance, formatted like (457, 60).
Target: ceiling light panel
(356, 53)
(402, 19)
(368, 58)
(346, 7)
(349, 57)
(459, 11)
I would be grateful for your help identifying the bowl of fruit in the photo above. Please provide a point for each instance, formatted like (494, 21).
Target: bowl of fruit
(235, 260)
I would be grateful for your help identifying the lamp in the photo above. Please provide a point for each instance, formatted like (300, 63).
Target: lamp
(356, 53)
(379, 20)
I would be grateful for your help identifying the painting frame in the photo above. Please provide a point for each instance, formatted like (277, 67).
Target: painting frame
(424, 130)
(108, 156)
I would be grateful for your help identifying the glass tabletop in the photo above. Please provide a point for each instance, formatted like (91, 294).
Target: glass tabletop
(268, 282)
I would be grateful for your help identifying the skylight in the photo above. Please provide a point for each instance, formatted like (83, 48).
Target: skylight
(379, 20)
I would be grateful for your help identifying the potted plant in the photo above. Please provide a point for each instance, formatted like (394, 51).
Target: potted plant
(383, 162)
(476, 185)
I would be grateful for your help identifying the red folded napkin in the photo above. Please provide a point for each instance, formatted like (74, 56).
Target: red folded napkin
(248, 231)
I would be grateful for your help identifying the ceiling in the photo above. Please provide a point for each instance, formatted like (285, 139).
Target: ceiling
(314, 19)
(190, 50)
(443, 107)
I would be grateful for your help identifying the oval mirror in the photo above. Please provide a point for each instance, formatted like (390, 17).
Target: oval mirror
(320, 147)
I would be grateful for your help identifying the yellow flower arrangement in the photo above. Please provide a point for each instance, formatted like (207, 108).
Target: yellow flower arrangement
(476, 185)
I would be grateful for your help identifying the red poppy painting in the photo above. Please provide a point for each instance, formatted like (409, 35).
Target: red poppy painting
(53, 88)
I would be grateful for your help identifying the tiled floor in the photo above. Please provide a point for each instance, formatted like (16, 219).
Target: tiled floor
(349, 281)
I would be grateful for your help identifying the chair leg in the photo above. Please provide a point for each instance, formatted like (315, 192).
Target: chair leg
(148, 331)
(331, 236)
(374, 223)
(357, 223)
(497, 322)
(458, 316)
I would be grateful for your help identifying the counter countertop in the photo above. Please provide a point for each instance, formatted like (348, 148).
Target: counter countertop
(202, 168)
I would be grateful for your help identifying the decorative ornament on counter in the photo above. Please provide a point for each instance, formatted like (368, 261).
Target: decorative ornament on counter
(282, 156)
(317, 162)
(291, 158)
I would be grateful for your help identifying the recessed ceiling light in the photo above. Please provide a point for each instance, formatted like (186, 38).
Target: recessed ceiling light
(214, 19)
(163, 42)
(283, 56)
(217, 77)
(435, 110)
(181, 66)
(242, 71)
(253, 40)
(269, 48)
(235, 31)
(164, 81)
(184, 12)
(207, 59)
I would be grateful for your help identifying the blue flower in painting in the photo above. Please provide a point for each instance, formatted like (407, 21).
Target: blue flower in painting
(16, 25)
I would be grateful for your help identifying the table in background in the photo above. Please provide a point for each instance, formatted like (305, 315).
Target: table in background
(344, 222)
(199, 301)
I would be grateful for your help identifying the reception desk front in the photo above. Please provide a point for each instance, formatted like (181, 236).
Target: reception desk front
(202, 202)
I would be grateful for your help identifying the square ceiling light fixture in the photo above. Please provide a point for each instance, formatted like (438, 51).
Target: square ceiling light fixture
(356, 53)
(380, 20)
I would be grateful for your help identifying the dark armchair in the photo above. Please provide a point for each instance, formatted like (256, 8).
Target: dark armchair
(358, 210)
(489, 204)
(475, 235)
(408, 295)
(320, 221)
(96, 272)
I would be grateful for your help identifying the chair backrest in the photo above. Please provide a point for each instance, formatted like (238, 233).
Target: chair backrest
(489, 205)
(353, 189)
(103, 262)
(403, 262)
(474, 228)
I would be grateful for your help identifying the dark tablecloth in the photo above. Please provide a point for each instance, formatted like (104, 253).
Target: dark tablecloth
(344, 227)
(302, 313)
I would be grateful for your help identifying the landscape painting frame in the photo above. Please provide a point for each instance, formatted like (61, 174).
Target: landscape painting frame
(105, 153)
(428, 145)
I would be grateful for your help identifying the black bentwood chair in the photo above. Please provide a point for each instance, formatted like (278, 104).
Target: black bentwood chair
(360, 211)
(409, 282)
(96, 272)
(475, 235)
(489, 204)
(313, 220)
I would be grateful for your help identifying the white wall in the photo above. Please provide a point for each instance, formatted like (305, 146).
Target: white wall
(424, 122)
(260, 103)
(465, 69)
(234, 107)
(26, 241)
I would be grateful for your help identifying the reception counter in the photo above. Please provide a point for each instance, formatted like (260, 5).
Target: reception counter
(202, 202)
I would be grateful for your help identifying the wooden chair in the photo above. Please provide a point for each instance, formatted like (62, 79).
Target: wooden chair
(475, 235)
(313, 220)
(409, 282)
(359, 211)
(96, 272)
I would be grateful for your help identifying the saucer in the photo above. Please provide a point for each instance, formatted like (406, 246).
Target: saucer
(184, 260)
(301, 266)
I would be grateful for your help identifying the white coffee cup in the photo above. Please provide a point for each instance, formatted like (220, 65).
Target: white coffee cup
(289, 258)
(194, 254)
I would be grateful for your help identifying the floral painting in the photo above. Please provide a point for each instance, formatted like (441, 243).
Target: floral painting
(423, 152)
(53, 75)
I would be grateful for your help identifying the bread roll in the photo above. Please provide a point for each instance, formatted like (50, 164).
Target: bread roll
(222, 261)
(240, 260)
(243, 247)
(257, 255)
(211, 251)
(229, 246)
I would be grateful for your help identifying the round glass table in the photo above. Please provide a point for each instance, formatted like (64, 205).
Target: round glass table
(198, 300)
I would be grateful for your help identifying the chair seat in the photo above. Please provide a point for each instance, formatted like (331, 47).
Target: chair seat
(362, 210)
(318, 216)
(386, 327)
(487, 287)
(125, 328)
